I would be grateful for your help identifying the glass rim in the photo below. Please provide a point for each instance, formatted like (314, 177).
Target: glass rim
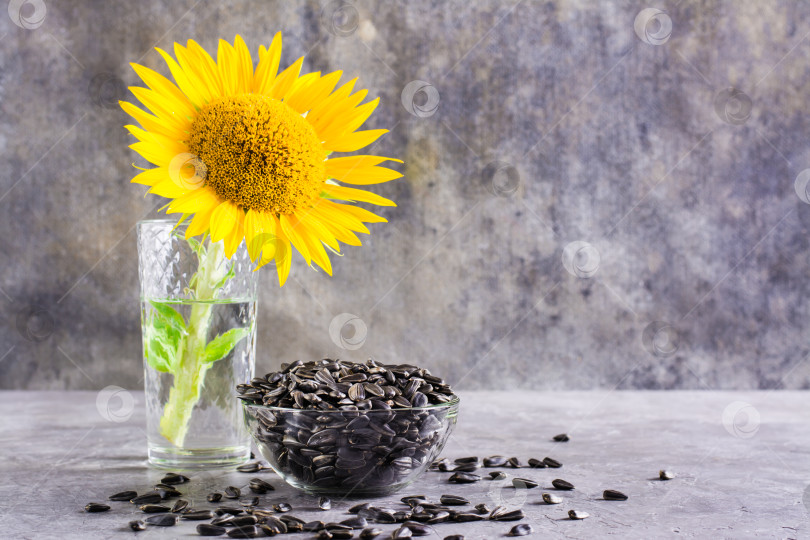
(433, 407)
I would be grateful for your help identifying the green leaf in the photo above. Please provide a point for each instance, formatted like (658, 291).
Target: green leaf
(220, 346)
(221, 283)
(159, 348)
(168, 316)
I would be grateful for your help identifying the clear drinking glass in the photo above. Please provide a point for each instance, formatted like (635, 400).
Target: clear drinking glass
(198, 318)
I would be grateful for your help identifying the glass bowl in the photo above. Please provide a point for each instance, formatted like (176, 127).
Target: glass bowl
(371, 452)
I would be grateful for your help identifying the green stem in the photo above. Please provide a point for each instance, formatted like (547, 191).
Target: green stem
(189, 374)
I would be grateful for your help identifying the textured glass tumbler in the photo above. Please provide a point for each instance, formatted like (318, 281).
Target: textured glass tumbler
(198, 318)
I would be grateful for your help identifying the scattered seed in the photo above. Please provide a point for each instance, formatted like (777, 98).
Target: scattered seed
(464, 478)
(666, 475)
(362, 506)
(244, 532)
(524, 483)
(273, 526)
(497, 475)
(613, 495)
(137, 525)
(244, 521)
(454, 537)
(180, 505)
(124, 496)
(205, 529)
(154, 508)
(222, 521)
(231, 510)
(282, 507)
(214, 497)
(313, 526)
(173, 478)
(232, 492)
(250, 502)
(355, 522)
(575, 514)
(466, 460)
(464, 517)
(442, 465)
(482, 508)
(440, 516)
(251, 467)
(553, 463)
(453, 500)
(495, 461)
(341, 534)
(550, 498)
(522, 529)
(146, 498)
(514, 463)
(497, 511)
(467, 467)
(198, 515)
(562, 437)
(370, 532)
(514, 515)
(162, 520)
(96, 507)
(402, 532)
(257, 485)
(324, 503)
(537, 464)
(562, 484)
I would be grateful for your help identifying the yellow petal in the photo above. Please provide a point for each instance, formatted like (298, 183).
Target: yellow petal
(363, 215)
(348, 163)
(338, 108)
(353, 141)
(283, 255)
(150, 177)
(350, 120)
(165, 88)
(162, 108)
(223, 220)
(288, 227)
(315, 116)
(268, 66)
(199, 224)
(359, 195)
(160, 141)
(329, 212)
(196, 201)
(152, 153)
(227, 64)
(313, 244)
(342, 234)
(316, 227)
(149, 122)
(306, 97)
(169, 189)
(367, 175)
(196, 59)
(244, 65)
(233, 240)
(198, 95)
(285, 80)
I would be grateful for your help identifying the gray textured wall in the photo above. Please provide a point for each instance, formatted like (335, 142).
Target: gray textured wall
(672, 159)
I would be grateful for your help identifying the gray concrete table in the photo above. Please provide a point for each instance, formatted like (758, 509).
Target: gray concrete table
(742, 461)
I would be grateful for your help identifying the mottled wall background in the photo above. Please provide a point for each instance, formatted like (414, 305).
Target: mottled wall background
(591, 203)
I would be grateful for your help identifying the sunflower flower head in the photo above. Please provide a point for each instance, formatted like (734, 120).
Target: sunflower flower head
(247, 154)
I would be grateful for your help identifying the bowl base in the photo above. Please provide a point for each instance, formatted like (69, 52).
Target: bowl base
(208, 458)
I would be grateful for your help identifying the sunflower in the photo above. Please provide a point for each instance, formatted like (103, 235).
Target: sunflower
(246, 154)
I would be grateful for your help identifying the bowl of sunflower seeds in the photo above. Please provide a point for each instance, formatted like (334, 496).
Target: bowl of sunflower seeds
(347, 428)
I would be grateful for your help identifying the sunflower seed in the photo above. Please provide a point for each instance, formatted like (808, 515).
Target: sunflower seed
(562, 437)
(282, 507)
(137, 525)
(146, 498)
(524, 483)
(154, 508)
(497, 511)
(198, 515)
(442, 465)
(274, 525)
(230, 510)
(522, 529)
(222, 521)
(562, 484)
(251, 467)
(417, 529)
(466, 517)
(232, 492)
(553, 463)
(358, 507)
(357, 392)
(666, 475)
(537, 464)
(466, 460)
(204, 529)
(243, 521)
(482, 508)
(550, 498)
(575, 514)
(410, 500)
(613, 495)
(355, 522)
(453, 500)
(214, 497)
(495, 461)
(464, 478)
(402, 532)
(96, 507)
(454, 537)
(124, 496)
(162, 520)
(341, 534)
(250, 502)
(313, 526)
(244, 532)
(497, 475)
(257, 485)
(370, 532)
(324, 503)
(173, 478)
(179, 506)
(514, 515)
(514, 463)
